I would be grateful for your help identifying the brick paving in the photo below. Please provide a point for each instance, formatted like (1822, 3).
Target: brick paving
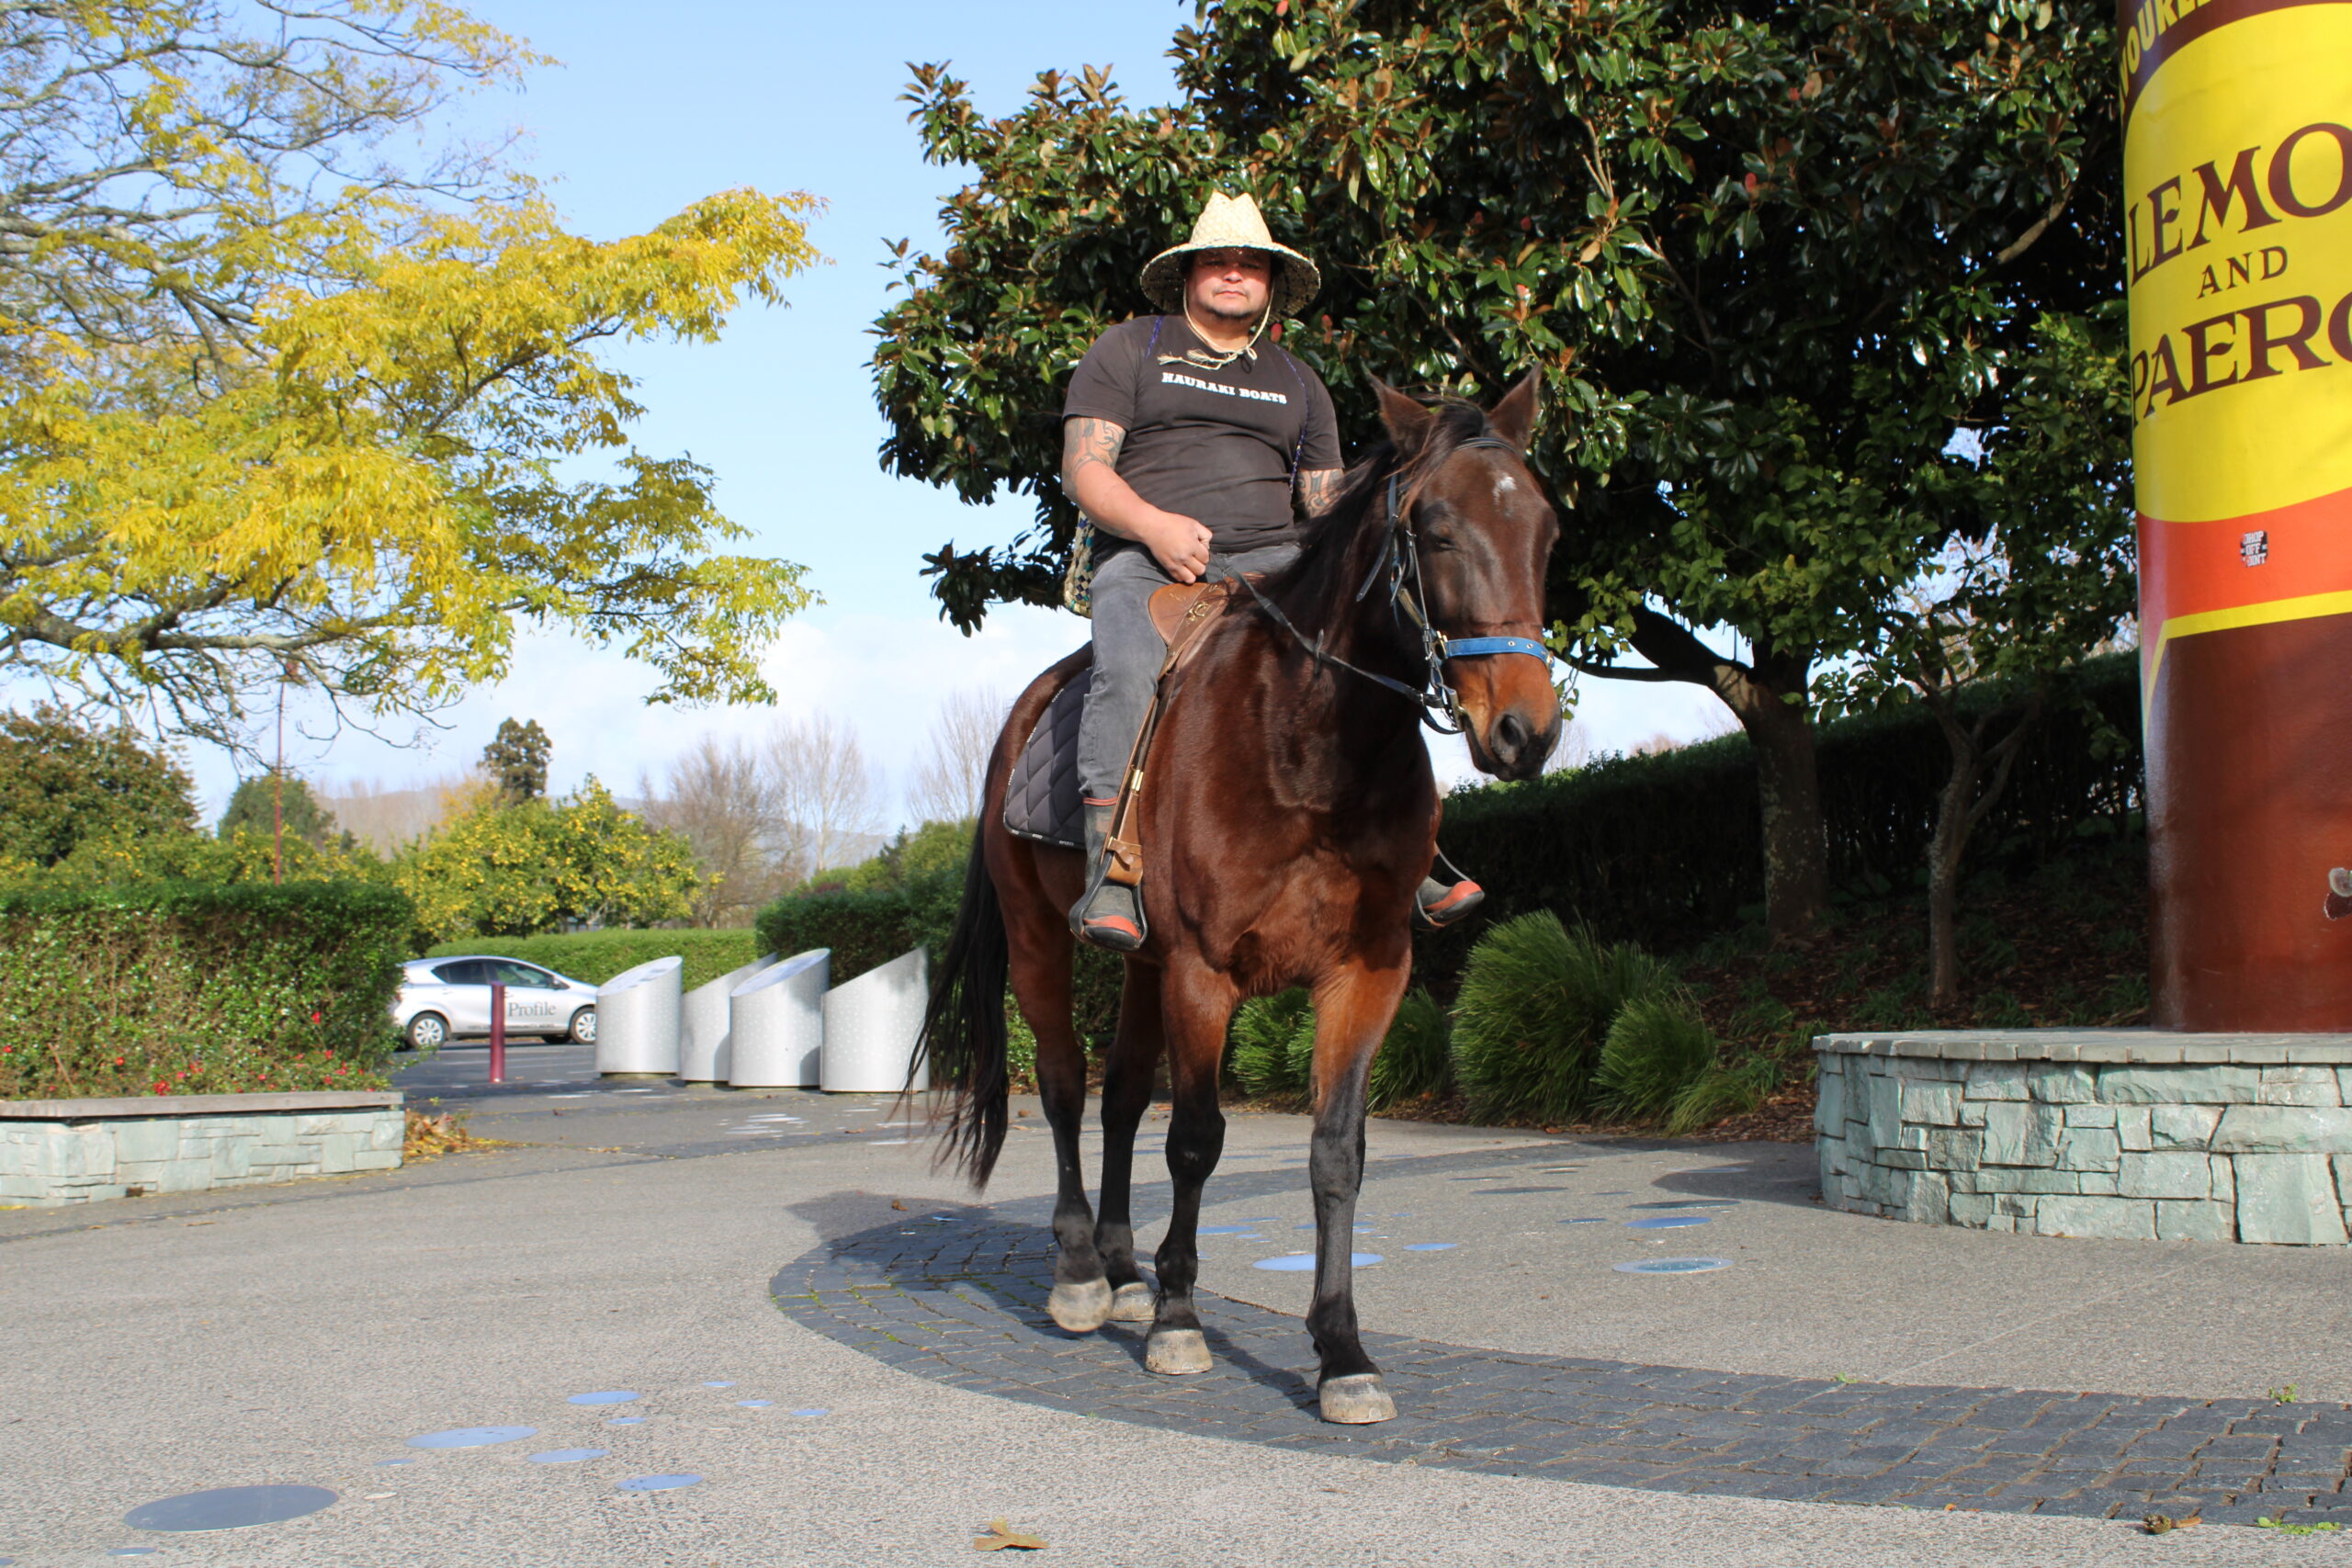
(959, 1298)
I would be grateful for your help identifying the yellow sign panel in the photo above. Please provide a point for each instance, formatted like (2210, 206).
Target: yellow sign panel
(2237, 172)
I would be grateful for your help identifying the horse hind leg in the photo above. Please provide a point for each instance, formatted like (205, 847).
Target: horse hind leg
(1040, 964)
(1126, 1092)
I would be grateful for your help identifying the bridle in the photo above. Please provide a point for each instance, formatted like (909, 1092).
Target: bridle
(1400, 561)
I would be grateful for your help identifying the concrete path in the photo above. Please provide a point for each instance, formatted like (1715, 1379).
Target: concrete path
(629, 1244)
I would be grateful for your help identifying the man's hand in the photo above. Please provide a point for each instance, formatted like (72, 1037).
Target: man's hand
(1091, 477)
(1181, 546)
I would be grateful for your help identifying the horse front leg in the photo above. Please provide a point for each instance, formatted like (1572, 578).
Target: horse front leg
(1196, 1007)
(1352, 1011)
(1126, 1092)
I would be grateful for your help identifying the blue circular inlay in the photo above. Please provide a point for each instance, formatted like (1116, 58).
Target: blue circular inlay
(229, 1508)
(755, 1404)
(382, 1462)
(1586, 1220)
(813, 1410)
(719, 1385)
(1361, 1226)
(1667, 1222)
(1689, 1203)
(472, 1437)
(625, 1421)
(567, 1456)
(1431, 1247)
(1672, 1266)
(609, 1396)
(1225, 1230)
(1304, 1262)
(657, 1482)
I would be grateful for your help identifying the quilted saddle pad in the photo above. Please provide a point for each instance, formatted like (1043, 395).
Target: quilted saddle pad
(1041, 798)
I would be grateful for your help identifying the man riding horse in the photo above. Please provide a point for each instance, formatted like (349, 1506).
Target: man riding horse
(1193, 443)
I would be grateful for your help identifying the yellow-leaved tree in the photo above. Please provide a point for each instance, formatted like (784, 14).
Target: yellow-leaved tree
(273, 405)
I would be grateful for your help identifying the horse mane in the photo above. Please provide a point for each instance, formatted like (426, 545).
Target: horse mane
(1335, 547)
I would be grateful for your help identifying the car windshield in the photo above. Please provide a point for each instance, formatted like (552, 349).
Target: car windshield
(506, 972)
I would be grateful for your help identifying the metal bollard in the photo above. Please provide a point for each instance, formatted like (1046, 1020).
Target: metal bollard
(497, 1031)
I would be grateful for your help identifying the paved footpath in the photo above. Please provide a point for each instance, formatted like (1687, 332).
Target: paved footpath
(849, 1354)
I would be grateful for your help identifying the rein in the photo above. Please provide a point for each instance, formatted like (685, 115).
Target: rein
(1401, 557)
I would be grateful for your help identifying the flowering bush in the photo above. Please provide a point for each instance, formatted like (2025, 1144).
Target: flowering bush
(188, 989)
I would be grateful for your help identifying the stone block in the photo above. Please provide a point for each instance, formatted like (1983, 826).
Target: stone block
(185, 1176)
(2019, 1133)
(1995, 1080)
(1929, 1200)
(2298, 1086)
(2344, 1180)
(1971, 1209)
(2187, 1221)
(2178, 1173)
(1955, 1148)
(2344, 1083)
(2088, 1149)
(1829, 1096)
(1972, 1112)
(2182, 1126)
(2218, 1084)
(1931, 1104)
(2058, 1083)
(2225, 1178)
(2284, 1129)
(2288, 1199)
(375, 1159)
(2033, 1179)
(2098, 1184)
(1915, 1136)
(388, 1133)
(336, 1151)
(2015, 1207)
(2131, 1128)
(2122, 1219)
(143, 1141)
(2091, 1116)
(1882, 1103)
(1903, 1159)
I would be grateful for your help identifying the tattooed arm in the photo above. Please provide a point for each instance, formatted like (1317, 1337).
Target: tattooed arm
(1090, 478)
(1318, 489)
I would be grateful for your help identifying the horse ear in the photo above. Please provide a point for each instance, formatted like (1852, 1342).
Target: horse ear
(1513, 419)
(1406, 421)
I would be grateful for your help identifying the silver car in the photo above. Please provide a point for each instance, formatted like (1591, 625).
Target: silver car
(441, 999)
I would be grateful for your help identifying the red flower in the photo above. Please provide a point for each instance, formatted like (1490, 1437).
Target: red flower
(316, 1017)
(160, 1088)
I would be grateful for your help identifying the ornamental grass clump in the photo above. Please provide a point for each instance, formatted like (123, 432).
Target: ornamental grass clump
(1657, 1046)
(1412, 1059)
(1723, 1090)
(1537, 1000)
(1273, 1043)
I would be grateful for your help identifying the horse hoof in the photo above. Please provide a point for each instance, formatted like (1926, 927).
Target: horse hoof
(1176, 1352)
(1133, 1304)
(1082, 1307)
(1356, 1400)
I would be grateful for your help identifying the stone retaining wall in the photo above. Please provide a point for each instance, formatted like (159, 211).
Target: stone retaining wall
(59, 1152)
(2098, 1132)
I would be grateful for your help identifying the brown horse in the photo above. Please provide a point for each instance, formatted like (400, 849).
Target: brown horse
(1289, 815)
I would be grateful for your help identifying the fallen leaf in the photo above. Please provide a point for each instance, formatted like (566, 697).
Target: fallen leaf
(1001, 1535)
(2161, 1524)
(899, 1204)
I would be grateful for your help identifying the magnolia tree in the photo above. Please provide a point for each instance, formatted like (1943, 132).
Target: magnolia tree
(281, 407)
(1770, 259)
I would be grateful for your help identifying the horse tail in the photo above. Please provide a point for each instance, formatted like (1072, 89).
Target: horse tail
(963, 1026)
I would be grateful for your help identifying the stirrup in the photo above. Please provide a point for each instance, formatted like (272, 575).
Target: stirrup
(1099, 921)
(1436, 905)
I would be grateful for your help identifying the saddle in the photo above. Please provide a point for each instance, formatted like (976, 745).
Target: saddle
(1043, 800)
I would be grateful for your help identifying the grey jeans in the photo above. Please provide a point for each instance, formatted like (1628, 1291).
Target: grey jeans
(1128, 652)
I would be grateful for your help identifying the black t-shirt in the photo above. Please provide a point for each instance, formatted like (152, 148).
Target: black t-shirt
(1217, 446)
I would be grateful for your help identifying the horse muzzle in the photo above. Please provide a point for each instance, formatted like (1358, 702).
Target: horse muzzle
(1512, 714)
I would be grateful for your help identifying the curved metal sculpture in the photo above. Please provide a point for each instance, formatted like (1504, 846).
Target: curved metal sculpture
(779, 1023)
(871, 1024)
(704, 1027)
(638, 1018)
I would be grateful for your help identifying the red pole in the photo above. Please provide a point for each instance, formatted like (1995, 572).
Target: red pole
(497, 1031)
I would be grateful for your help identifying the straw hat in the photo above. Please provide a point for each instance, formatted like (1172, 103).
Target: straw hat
(1230, 222)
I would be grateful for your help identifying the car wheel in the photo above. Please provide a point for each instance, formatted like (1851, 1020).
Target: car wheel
(428, 1032)
(583, 1027)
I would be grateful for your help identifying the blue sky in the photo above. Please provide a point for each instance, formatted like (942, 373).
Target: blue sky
(655, 108)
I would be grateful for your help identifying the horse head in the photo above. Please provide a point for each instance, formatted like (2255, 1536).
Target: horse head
(1466, 503)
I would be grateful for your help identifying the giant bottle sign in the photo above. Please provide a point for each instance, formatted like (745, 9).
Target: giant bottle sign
(2237, 172)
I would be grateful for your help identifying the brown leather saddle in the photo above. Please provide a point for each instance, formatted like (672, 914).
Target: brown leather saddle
(1043, 800)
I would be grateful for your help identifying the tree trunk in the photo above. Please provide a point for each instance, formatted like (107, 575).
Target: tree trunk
(1788, 780)
(1953, 821)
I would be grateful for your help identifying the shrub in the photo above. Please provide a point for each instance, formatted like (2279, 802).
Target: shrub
(186, 988)
(1722, 1092)
(1657, 1048)
(1273, 1043)
(596, 956)
(1537, 999)
(1412, 1059)
(1666, 850)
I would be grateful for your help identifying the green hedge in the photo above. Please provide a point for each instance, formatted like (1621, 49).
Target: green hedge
(188, 989)
(1668, 850)
(596, 957)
